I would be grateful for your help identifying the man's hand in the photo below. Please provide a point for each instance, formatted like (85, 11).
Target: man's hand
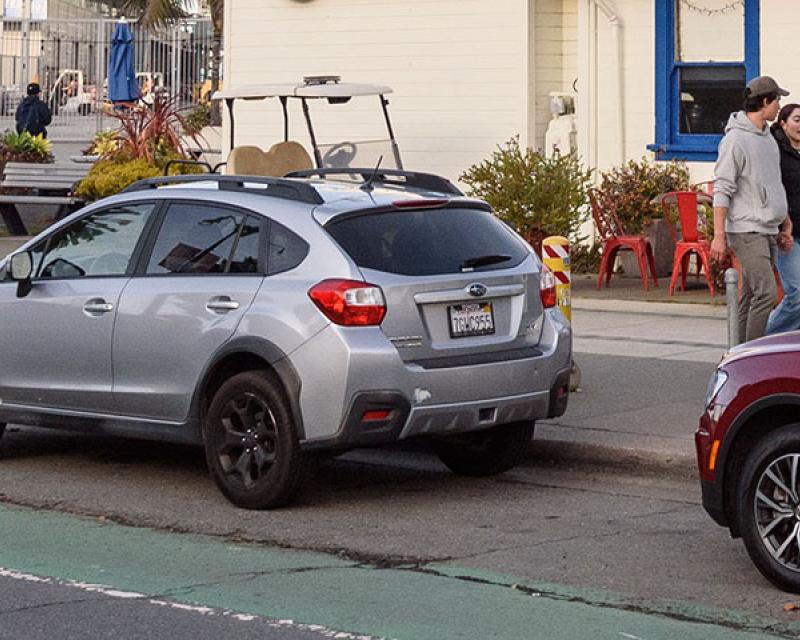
(785, 239)
(719, 248)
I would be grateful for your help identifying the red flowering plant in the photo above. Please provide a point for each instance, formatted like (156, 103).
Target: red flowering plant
(634, 188)
(147, 139)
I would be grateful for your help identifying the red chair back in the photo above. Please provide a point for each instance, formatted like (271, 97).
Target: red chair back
(606, 221)
(686, 202)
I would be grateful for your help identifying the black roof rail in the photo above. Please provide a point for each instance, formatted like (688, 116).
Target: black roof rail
(275, 187)
(392, 177)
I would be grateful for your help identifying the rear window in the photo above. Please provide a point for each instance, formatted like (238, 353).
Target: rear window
(433, 241)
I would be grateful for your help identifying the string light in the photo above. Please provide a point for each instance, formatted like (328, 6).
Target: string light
(731, 6)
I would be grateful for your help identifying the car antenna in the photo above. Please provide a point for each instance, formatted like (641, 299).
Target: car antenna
(367, 186)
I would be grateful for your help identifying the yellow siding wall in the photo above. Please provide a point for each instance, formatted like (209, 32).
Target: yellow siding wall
(458, 68)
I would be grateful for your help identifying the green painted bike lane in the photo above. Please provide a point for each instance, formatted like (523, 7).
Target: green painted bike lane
(435, 601)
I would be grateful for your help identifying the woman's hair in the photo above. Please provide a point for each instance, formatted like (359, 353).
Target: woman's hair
(784, 115)
(754, 103)
(787, 111)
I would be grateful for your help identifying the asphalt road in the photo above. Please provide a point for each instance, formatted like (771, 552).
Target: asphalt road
(600, 540)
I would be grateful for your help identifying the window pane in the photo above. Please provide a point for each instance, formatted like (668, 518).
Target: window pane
(708, 97)
(245, 258)
(194, 239)
(427, 242)
(286, 249)
(100, 244)
(709, 31)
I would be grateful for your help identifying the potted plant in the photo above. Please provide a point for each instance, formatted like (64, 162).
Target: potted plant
(147, 139)
(535, 195)
(634, 188)
(24, 147)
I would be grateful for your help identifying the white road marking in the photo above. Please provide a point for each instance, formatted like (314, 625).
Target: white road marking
(110, 592)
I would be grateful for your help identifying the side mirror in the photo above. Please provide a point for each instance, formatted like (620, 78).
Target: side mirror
(21, 269)
(21, 266)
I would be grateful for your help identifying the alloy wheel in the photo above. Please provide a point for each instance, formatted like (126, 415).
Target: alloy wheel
(249, 443)
(777, 510)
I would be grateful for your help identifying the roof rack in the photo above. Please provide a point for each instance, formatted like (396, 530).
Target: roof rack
(275, 187)
(391, 177)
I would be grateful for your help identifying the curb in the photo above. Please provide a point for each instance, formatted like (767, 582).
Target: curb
(602, 457)
(681, 309)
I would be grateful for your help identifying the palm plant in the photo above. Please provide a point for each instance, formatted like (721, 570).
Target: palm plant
(158, 13)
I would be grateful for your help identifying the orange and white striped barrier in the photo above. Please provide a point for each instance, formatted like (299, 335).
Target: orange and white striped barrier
(555, 255)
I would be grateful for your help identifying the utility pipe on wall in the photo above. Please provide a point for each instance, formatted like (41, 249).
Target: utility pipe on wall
(616, 31)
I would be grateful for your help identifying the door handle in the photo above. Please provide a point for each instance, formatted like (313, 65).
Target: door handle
(222, 304)
(97, 306)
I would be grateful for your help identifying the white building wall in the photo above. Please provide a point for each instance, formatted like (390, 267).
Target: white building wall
(778, 59)
(780, 47)
(555, 57)
(458, 68)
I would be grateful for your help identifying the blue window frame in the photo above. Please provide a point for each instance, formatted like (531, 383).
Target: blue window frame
(674, 138)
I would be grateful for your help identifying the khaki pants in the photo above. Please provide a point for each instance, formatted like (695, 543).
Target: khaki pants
(756, 253)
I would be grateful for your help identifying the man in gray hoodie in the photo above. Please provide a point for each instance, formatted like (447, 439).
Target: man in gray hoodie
(750, 208)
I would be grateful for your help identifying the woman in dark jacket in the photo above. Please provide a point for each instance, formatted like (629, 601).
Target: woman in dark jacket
(786, 316)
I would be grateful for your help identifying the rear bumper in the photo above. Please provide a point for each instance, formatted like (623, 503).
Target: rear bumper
(439, 400)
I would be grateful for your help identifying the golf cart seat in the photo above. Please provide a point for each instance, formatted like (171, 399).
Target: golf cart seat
(282, 158)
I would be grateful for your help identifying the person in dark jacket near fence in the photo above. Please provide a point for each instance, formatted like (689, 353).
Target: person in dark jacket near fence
(786, 316)
(33, 115)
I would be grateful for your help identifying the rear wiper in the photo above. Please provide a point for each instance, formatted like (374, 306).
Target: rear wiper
(482, 261)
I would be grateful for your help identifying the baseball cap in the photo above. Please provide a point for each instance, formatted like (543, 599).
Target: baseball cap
(34, 88)
(764, 85)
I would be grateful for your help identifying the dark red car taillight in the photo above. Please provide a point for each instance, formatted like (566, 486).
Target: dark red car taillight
(349, 303)
(547, 288)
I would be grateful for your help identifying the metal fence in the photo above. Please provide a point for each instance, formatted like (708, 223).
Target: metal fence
(69, 59)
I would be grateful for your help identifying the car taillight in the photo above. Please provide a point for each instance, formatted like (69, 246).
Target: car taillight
(349, 302)
(547, 288)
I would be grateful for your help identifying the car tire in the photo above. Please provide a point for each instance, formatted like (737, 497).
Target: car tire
(768, 507)
(251, 443)
(487, 452)
(2, 428)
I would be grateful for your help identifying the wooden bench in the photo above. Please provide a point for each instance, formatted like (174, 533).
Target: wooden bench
(43, 184)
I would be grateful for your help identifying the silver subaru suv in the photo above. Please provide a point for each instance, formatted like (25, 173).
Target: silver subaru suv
(268, 319)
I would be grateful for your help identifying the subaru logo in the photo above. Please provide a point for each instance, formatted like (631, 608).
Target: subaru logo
(477, 290)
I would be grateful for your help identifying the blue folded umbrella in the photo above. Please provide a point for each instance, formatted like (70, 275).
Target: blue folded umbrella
(122, 85)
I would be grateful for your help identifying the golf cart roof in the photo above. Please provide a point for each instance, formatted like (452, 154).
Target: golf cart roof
(325, 87)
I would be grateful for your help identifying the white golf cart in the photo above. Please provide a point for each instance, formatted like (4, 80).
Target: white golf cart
(69, 94)
(289, 156)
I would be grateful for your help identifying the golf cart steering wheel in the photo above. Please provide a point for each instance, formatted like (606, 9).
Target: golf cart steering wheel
(339, 155)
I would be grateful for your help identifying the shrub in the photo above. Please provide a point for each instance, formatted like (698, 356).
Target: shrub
(108, 177)
(111, 176)
(24, 147)
(104, 143)
(198, 118)
(585, 258)
(535, 195)
(633, 186)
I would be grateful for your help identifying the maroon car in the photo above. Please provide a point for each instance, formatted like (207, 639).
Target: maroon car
(748, 451)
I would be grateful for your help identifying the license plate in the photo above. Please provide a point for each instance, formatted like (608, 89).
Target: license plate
(468, 320)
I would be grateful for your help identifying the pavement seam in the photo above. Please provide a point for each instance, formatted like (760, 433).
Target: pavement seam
(772, 627)
(629, 339)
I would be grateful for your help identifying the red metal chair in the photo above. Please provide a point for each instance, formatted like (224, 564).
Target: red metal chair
(615, 239)
(691, 240)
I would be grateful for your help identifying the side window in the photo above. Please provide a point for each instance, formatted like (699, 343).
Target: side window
(245, 256)
(286, 249)
(195, 238)
(100, 244)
